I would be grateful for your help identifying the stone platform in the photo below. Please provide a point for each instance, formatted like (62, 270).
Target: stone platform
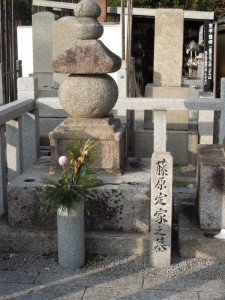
(120, 223)
(117, 220)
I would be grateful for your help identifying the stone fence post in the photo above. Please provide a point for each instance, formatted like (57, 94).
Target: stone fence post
(22, 134)
(206, 122)
(161, 209)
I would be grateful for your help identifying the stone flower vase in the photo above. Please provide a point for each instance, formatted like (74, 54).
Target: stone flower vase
(71, 236)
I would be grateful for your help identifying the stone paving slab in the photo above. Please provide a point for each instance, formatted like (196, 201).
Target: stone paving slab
(125, 294)
(211, 296)
(129, 282)
(37, 292)
(13, 290)
(96, 287)
(17, 277)
(184, 284)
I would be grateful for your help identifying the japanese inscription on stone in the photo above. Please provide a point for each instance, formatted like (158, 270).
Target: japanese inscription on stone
(161, 209)
(208, 56)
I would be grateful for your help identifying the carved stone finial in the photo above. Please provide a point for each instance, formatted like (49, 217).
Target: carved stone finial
(86, 24)
(87, 8)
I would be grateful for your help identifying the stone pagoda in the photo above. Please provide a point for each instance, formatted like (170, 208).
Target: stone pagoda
(88, 93)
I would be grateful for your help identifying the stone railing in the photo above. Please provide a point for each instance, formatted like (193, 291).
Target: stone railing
(19, 142)
(19, 127)
(205, 106)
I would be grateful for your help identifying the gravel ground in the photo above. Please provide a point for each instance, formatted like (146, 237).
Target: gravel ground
(115, 265)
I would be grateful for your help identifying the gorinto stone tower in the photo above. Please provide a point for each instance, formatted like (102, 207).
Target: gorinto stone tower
(88, 94)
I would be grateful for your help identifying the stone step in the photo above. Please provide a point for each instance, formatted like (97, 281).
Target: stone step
(117, 243)
(121, 205)
(197, 243)
(98, 242)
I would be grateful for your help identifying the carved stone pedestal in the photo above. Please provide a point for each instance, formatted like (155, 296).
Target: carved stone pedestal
(108, 131)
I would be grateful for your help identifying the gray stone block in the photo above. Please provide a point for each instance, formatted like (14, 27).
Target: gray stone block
(49, 124)
(24, 95)
(167, 66)
(50, 107)
(114, 243)
(42, 41)
(44, 241)
(15, 239)
(109, 133)
(143, 145)
(176, 120)
(211, 188)
(27, 84)
(120, 207)
(45, 79)
(24, 205)
(47, 92)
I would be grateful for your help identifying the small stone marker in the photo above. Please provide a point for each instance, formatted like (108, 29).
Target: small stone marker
(161, 209)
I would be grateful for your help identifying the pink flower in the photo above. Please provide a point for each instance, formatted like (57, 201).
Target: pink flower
(63, 160)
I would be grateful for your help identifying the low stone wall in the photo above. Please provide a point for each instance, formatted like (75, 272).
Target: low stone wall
(120, 206)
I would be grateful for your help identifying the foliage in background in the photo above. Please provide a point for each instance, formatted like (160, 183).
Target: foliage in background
(23, 8)
(201, 5)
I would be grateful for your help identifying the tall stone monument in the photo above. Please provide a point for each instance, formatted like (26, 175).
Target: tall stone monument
(167, 83)
(88, 94)
(168, 60)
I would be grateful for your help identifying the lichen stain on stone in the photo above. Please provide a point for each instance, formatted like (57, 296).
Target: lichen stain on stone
(106, 210)
(217, 180)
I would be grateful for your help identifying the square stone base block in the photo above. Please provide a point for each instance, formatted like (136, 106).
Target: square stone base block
(109, 132)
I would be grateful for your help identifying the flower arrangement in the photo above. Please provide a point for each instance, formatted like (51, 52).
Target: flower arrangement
(78, 173)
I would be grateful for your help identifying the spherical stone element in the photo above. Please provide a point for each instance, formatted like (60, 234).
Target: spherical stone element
(87, 28)
(88, 96)
(87, 8)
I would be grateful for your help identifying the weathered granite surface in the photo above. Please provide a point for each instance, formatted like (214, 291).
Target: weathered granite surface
(108, 132)
(79, 102)
(94, 93)
(211, 187)
(87, 8)
(87, 57)
(121, 205)
(168, 49)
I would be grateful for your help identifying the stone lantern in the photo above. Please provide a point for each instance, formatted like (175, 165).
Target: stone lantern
(88, 93)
